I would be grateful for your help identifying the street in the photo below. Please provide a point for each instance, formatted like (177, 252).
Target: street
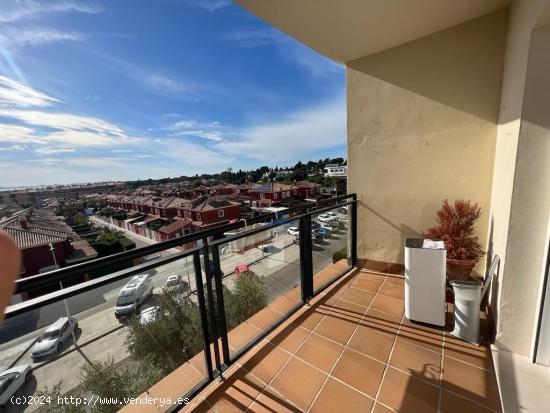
(100, 336)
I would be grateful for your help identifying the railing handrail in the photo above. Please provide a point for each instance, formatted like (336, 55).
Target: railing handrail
(85, 286)
(63, 274)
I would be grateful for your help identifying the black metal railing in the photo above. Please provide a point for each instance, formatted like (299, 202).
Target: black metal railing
(293, 260)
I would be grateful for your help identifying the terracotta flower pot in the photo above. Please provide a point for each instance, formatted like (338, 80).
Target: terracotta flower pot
(459, 269)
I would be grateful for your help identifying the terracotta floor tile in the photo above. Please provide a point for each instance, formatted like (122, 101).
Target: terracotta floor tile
(286, 303)
(311, 318)
(395, 280)
(357, 296)
(270, 401)
(367, 284)
(290, 338)
(349, 310)
(416, 360)
(479, 356)
(266, 362)
(236, 393)
(336, 328)
(422, 335)
(372, 343)
(299, 382)
(392, 290)
(388, 305)
(371, 276)
(264, 318)
(451, 403)
(471, 382)
(241, 335)
(320, 352)
(384, 322)
(336, 397)
(406, 394)
(378, 408)
(360, 372)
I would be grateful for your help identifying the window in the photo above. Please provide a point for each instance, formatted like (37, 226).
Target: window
(198, 216)
(186, 214)
(220, 213)
(275, 196)
(262, 196)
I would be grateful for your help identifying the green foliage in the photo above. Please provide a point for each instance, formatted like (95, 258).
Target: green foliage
(50, 397)
(109, 380)
(81, 219)
(340, 255)
(173, 338)
(248, 296)
(110, 236)
(107, 212)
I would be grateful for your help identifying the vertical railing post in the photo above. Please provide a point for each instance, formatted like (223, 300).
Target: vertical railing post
(220, 304)
(211, 306)
(306, 258)
(204, 317)
(354, 231)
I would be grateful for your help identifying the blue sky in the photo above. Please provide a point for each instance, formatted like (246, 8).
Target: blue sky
(105, 90)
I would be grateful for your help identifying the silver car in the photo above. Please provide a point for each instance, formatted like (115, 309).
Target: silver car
(12, 379)
(52, 339)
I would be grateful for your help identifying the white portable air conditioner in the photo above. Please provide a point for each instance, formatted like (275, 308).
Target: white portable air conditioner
(425, 276)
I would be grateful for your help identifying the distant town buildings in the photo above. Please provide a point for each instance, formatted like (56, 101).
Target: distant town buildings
(46, 241)
(334, 170)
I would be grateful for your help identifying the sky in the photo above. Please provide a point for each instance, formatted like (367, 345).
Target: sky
(116, 90)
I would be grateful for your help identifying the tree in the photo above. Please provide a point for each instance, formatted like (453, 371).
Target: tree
(170, 340)
(110, 236)
(248, 296)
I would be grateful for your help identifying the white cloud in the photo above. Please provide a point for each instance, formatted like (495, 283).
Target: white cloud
(254, 38)
(94, 162)
(13, 10)
(211, 131)
(309, 59)
(15, 133)
(11, 148)
(210, 5)
(297, 136)
(40, 127)
(49, 151)
(13, 38)
(16, 94)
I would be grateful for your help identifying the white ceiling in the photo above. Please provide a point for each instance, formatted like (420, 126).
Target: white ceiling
(345, 30)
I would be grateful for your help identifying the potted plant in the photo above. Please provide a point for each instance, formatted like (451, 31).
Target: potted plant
(456, 227)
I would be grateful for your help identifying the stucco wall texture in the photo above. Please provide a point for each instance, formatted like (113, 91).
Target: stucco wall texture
(422, 125)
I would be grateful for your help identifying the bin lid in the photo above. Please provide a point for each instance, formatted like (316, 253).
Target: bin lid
(424, 243)
(466, 283)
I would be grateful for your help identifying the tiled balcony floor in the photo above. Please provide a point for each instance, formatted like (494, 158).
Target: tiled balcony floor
(353, 351)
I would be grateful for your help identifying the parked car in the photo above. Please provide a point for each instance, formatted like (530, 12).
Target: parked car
(328, 226)
(173, 281)
(12, 380)
(315, 225)
(133, 295)
(331, 214)
(148, 315)
(325, 218)
(52, 339)
(316, 235)
(325, 232)
(294, 231)
(344, 209)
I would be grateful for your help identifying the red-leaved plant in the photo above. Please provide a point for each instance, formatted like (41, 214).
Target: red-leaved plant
(455, 226)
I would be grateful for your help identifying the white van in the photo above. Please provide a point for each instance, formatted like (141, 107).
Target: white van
(133, 295)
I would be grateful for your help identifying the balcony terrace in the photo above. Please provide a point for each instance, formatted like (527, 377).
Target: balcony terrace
(303, 330)
(352, 350)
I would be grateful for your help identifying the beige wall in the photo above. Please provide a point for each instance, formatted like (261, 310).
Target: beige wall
(422, 128)
(530, 206)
